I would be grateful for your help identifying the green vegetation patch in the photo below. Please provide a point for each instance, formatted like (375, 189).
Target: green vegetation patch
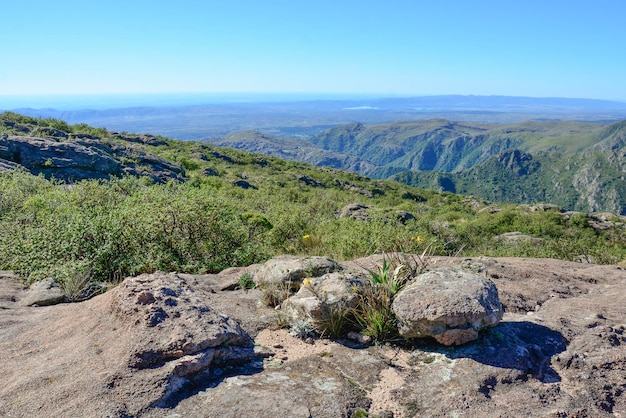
(103, 231)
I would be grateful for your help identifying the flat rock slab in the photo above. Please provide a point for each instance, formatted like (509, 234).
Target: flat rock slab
(558, 351)
(308, 387)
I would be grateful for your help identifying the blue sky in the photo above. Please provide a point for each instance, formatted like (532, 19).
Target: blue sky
(547, 48)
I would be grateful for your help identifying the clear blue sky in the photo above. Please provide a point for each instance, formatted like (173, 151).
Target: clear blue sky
(537, 48)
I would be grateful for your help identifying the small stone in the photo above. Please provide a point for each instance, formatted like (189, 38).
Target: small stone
(43, 293)
(359, 338)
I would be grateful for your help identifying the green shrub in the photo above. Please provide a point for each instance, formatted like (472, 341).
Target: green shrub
(245, 282)
(119, 228)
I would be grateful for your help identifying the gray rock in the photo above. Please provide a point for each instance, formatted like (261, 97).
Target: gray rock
(141, 139)
(176, 334)
(515, 237)
(244, 185)
(354, 211)
(209, 172)
(83, 157)
(292, 270)
(404, 216)
(448, 304)
(606, 216)
(320, 298)
(309, 181)
(53, 133)
(45, 156)
(6, 166)
(43, 293)
(413, 196)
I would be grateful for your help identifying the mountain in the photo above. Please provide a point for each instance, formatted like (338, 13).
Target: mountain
(434, 144)
(443, 145)
(612, 138)
(576, 165)
(586, 177)
(590, 181)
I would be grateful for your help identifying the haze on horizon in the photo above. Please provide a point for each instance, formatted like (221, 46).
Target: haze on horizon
(533, 48)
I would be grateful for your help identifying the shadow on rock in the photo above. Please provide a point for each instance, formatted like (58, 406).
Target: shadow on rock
(209, 380)
(523, 346)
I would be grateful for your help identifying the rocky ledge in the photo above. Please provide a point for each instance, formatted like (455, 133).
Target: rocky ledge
(75, 158)
(173, 345)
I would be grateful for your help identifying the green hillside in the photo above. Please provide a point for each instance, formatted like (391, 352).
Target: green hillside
(446, 146)
(235, 208)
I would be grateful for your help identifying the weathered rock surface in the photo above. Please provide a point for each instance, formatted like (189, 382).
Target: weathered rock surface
(557, 352)
(82, 157)
(449, 304)
(292, 270)
(140, 346)
(193, 335)
(320, 297)
(43, 293)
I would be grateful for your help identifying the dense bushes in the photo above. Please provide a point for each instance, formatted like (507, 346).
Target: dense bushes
(118, 228)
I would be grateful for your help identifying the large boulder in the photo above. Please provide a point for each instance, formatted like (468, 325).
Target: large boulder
(292, 270)
(448, 304)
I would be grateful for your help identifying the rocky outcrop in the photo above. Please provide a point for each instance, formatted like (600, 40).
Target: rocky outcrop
(65, 159)
(140, 139)
(517, 162)
(404, 216)
(354, 211)
(175, 334)
(450, 305)
(80, 158)
(557, 352)
(244, 185)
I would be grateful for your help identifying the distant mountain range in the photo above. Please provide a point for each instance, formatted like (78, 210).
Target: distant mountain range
(302, 117)
(576, 165)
